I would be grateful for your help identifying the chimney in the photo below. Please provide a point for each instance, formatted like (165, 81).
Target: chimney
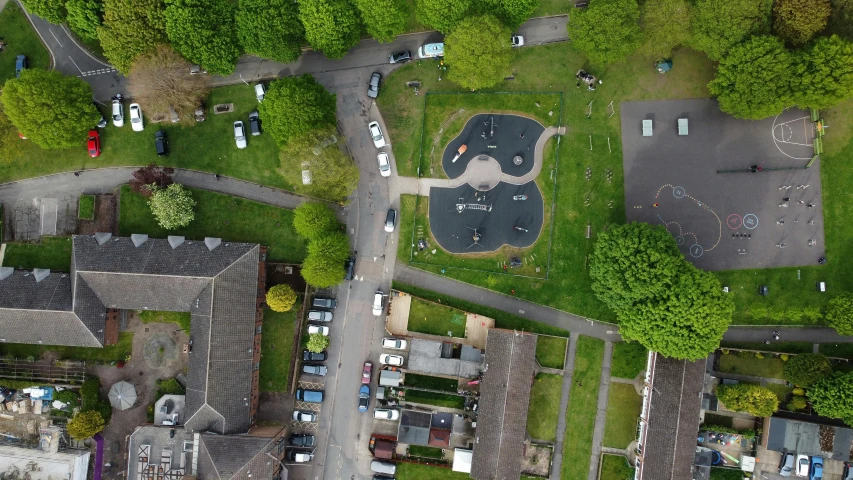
(40, 274)
(175, 241)
(5, 272)
(102, 237)
(138, 239)
(212, 242)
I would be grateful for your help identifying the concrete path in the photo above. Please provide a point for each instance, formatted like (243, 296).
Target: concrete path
(601, 413)
(557, 460)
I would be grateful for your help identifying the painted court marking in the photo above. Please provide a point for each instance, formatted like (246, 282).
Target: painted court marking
(783, 132)
(680, 192)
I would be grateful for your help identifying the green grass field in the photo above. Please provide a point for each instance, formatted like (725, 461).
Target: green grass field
(20, 39)
(629, 359)
(719, 473)
(437, 399)
(182, 319)
(544, 406)
(777, 347)
(86, 207)
(428, 452)
(750, 365)
(414, 471)
(780, 390)
(551, 351)
(217, 215)
(51, 252)
(435, 319)
(614, 467)
(110, 353)
(583, 403)
(277, 338)
(431, 383)
(623, 410)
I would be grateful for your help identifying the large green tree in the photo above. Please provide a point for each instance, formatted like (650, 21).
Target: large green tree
(806, 369)
(324, 264)
(752, 399)
(321, 152)
(51, 10)
(204, 32)
(383, 19)
(606, 31)
(797, 21)
(270, 29)
(131, 28)
(833, 397)
(478, 52)
(824, 75)
(160, 81)
(719, 25)
(294, 106)
(317, 342)
(754, 79)
(52, 110)
(511, 12)
(313, 220)
(442, 15)
(173, 206)
(331, 26)
(84, 17)
(839, 313)
(666, 25)
(841, 19)
(85, 424)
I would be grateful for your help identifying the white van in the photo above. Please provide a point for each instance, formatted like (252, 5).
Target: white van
(383, 467)
(431, 50)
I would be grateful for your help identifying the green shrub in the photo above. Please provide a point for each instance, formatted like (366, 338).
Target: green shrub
(798, 392)
(797, 403)
(725, 351)
(744, 354)
(759, 355)
(784, 357)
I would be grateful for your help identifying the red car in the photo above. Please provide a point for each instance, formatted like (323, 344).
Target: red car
(94, 143)
(365, 374)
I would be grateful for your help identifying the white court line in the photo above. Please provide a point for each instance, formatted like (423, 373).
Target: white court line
(54, 37)
(75, 64)
(789, 121)
(776, 141)
(800, 144)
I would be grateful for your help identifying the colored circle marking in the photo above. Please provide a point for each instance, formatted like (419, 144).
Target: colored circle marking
(679, 240)
(734, 221)
(696, 250)
(678, 192)
(750, 221)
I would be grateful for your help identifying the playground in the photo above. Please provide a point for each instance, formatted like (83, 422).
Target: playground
(734, 193)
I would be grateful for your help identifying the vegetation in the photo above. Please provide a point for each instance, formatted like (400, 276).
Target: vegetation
(20, 39)
(131, 28)
(806, 369)
(51, 10)
(84, 17)
(145, 177)
(780, 347)
(85, 424)
(831, 397)
(91, 399)
(583, 403)
(160, 81)
(442, 15)
(270, 29)
(426, 452)
(629, 359)
(797, 21)
(181, 319)
(293, 106)
(615, 467)
(333, 174)
(436, 319)
(431, 383)
(172, 206)
(86, 207)
(324, 265)
(313, 220)
(281, 298)
(623, 410)
(478, 52)
(511, 13)
(317, 342)
(827, 61)
(747, 363)
(551, 351)
(418, 471)
(719, 26)
(752, 399)
(606, 31)
(723, 473)
(204, 32)
(666, 25)
(839, 314)
(544, 406)
(277, 340)
(431, 398)
(53, 253)
(383, 19)
(108, 354)
(331, 26)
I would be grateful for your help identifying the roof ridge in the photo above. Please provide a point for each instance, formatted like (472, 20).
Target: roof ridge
(266, 444)
(241, 257)
(209, 456)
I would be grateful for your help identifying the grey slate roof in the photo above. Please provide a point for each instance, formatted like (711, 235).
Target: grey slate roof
(235, 456)
(504, 400)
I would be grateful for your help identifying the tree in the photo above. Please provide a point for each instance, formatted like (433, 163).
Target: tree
(281, 298)
(797, 21)
(52, 110)
(442, 15)
(511, 13)
(131, 28)
(51, 10)
(160, 177)
(317, 342)
(717, 26)
(666, 25)
(331, 26)
(478, 52)
(314, 219)
(334, 176)
(383, 19)
(831, 396)
(204, 32)
(270, 29)
(824, 75)
(606, 31)
(294, 106)
(753, 80)
(752, 399)
(160, 80)
(172, 206)
(324, 264)
(10, 144)
(333, 246)
(841, 19)
(85, 425)
(84, 17)
(806, 368)
(839, 314)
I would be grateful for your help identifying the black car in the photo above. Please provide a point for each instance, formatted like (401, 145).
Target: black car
(373, 85)
(161, 145)
(254, 123)
(400, 57)
(349, 268)
(302, 440)
(314, 357)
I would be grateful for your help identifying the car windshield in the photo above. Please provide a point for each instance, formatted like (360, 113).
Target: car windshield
(375, 133)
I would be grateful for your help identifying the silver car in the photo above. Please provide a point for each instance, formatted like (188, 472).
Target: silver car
(313, 369)
(786, 466)
(319, 316)
(240, 134)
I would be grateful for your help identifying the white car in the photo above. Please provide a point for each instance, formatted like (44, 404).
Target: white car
(802, 465)
(386, 414)
(304, 416)
(312, 329)
(378, 303)
(517, 41)
(118, 113)
(240, 134)
(393, 360)
(384, 164)
(136, 117)
(376, 134)
(260, 91)
(394, 343)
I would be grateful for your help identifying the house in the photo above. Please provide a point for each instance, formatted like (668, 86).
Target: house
(37, 464)
(808, 438)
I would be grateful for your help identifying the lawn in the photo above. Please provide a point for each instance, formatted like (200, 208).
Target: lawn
(20, 39)
(431, 383)
(52, 252)
(843, 350)
(750, 365)
(623, 409)
(720, 473)
(551, 351)
(583, 403)
(207, 146)
(629, 359)
(86, 207)
(615, 467)
(182, 319)
(437, 399)
(415, 471)
(544, 408)
(277, 339)
(428, 452)
(218, 215)
(111, 353)
(778, 347)
(780, 390)
(435, 319)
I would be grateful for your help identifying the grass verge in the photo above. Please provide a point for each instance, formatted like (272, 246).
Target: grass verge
(583, 403)
(544, 406)
(551, 351)
(842, 350)
(629, 359)
(623, 409)
(751, 365)
(20, 39)
(182, 319)
(431, 383)
(720, 473)
(86, 207)
(437, 399)
(434, 319)
(52, 252)
(277, 339)
(615, 467)
(415, 471)
(111, 353)
(427, 452)
(778, 347)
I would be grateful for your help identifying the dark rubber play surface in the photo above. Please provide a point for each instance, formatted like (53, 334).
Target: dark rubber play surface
(512, 135)
(700, 187)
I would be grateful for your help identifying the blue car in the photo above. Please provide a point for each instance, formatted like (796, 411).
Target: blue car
(20, 65)
(363, 398)
(816, 469)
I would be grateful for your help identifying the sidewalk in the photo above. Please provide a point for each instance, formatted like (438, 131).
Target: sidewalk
(601, 413)
(569, 368)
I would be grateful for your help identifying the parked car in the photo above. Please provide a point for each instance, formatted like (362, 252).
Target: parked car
(384, 164)
(314, 369)
(848, 471)
(260, 91)
(319, 316)
(255, 123)
(197, 70)
(376, 134)
(349, 268)
(383, 477)
(103, 121)
(136, 117)
(383, 467)
(304, 416)
(240, 134)
(309, 396)
(394, 343)
(393, 360)
(390, 220)
(309, 356)
(802, 465)
(431, 50)
(400, 57)
(323, 302)
(517, 41)
(118, 113)
(93, 144)
(386, 413)
(161, 145)
(302, 440)
(312, 329)
(366, 372)
(298, 456)
(816, 468)
(786, 465)
(378, 302)
(373, 85)
(363, 398)
(20, 64)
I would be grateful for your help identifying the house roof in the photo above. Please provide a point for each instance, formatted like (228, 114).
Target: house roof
(236, 456)
(784, 434)
(504, 400)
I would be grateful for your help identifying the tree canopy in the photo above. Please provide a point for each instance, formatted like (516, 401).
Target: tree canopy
(797, 21)
(666, 25)
(312, 220)
(85, 424)
(160, 80)
(143, 178)
(478, 52)
(294, 106)
(442, 15)
(806, 369)
(270, 29)
(51, 10)
(833, 397)
(52, 110)
(607, 30)
(334, 176)
(324, 264)
(717, 25)
(317, 342)
(204, 32)
(172, 206)
(281, 298)
(839, 314)
(383, 19)
(84, 17)
(331, 26)
(752, 399)
(511, 13)
(131, 28)
(753, 80)
(824, 76)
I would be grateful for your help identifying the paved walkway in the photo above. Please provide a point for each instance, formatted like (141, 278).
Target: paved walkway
(601, 413)
(569, 368)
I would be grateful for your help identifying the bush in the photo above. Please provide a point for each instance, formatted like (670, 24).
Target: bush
(759, 355)
(317, 342)
(281, 298)
(807, 368)
(784, 357)
(797, 404)
(752, 399)
(90, 399)
(725, 351)
(85, 425)
(798, 391)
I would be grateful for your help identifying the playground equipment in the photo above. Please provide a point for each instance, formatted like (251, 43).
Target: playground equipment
(459, 152)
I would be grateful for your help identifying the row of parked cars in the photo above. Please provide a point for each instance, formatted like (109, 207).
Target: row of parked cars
(807, 466)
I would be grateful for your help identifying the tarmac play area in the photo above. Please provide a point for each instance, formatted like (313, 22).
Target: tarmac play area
(734, 193)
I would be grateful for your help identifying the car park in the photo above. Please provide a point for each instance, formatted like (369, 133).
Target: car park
(816, 468)
(386, 413)
(517, 41)
(319, 316)
(309, 396)
(393, 360)
(349, 268)
(309, 356)
(378, 302)
(384, 164)
(260, 92)
(373, 85)
(390, 220)
(118, 113)
(136, 117)
(366, 372)
(298, 456)
(802, 465)
(255, 123)
(312, 329)
(786, 464)
(161, 145)
(93, 144)
(302, 440)
(323, 302)
(314, 369)
(363, 398)
(400, 57)
(20, 65)
(240, 134)
(304, 416)
(394, 343)
(376, 134)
